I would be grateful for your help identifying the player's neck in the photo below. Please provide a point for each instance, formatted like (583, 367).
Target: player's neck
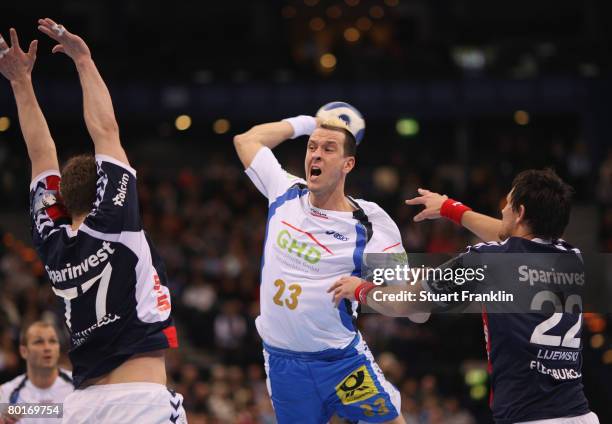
(331, 201)
(523, 231)
(43, 378)
(77, 221)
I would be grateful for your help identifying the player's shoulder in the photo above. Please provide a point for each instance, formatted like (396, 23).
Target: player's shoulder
(523, 245)
(11, 385)
(384, 233)
(374, 213)
(108, 162)
(491, 246)
(65, 375)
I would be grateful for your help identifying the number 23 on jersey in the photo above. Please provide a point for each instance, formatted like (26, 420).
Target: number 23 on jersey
(290, 299)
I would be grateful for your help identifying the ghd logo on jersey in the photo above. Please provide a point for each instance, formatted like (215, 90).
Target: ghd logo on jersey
(302, 250)
(121, 191)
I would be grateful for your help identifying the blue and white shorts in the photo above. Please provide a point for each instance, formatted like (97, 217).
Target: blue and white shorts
(308, 388)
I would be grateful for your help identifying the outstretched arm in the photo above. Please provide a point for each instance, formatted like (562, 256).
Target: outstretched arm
(484, 227)
(271, 135)
(97, 104)
(16, 66)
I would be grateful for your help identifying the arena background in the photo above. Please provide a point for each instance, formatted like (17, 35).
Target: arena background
(458, 96)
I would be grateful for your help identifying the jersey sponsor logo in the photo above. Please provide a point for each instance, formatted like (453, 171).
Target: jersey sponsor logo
(357, 387)
(318, 214)
(48, 199)
(70, 272)
(534, 275)
(302, 250)
(121, 191)
(163, 301)
(556, 373)
(79, 337)
(337, 235)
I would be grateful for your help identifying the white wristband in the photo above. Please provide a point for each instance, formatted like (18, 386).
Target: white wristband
(302, 125)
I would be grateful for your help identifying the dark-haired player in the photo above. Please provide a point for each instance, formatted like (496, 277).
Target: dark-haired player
(535, 356)
(86, 229)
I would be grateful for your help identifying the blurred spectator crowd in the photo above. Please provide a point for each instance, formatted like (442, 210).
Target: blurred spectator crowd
(208, 224)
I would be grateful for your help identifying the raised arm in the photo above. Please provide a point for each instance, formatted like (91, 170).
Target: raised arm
(97, 104)
(271, 135)
(16, 66)
(484, 227)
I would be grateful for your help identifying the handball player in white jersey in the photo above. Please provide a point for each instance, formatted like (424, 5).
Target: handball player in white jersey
(316, 360)
(44, 382)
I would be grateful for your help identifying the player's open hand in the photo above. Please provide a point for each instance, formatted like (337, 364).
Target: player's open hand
(344, 288)
(432, 202)
(69, 43)
(15, 64)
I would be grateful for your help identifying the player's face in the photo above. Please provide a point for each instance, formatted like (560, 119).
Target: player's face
(42, 349)
(509, 219)
(325, 162)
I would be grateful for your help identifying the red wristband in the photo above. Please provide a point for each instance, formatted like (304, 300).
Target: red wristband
(453, 210)
(362, 290)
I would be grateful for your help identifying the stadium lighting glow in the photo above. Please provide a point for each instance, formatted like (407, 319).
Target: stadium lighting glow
(351, 34)
(521, 117)
(478, 392)
(334, 12)
(221, 126)
(391, 3)
(351, 3)
(377, 12)
(363, 23)
(317, 24)
(597, 341)
(607, 357)
(328, 61)
(182, 122)
(475, 377)
(407, 127)
(5, 123)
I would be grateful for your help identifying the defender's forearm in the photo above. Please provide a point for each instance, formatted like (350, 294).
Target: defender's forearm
(97, 103)
(40, 145)
(484, 227)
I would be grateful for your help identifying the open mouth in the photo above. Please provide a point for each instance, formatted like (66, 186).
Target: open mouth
(315, 171)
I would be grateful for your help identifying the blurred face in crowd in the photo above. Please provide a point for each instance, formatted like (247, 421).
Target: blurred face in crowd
(511, 218)
(41, 348)
(326, 164)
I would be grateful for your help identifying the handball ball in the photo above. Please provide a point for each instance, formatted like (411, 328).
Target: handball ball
(343, 115)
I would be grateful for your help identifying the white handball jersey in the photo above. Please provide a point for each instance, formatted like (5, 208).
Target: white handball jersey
(306, 250)
(20, 390)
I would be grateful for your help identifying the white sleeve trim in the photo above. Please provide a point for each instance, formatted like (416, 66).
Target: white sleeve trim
(106, 158)
(42, 175)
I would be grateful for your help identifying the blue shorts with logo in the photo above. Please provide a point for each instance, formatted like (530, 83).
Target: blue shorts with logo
(309, 387)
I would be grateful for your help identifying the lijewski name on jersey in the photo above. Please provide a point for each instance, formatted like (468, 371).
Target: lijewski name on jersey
(70, 272)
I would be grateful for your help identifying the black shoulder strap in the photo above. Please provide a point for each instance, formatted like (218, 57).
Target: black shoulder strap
(360, 215)
(65, 377)
(15, 393)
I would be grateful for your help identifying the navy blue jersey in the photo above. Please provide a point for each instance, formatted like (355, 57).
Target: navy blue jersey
(534, 343)
(107, 273)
